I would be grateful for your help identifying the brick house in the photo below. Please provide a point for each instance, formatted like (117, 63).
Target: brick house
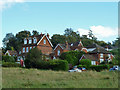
(11, 53)
(41, 41)
(60, 48)
(99, 53)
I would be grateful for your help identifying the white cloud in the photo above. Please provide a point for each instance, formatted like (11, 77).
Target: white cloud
(101, 32)
(7, 3)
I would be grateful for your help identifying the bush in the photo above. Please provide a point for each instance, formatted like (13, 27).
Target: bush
(72, 57)
(86, 62)
(33, 57)
(110, 62)
(103, 62)
(10, 64)
(81, 66)
(53, 64)
(99, 67)
(8, 58)
(59, 65)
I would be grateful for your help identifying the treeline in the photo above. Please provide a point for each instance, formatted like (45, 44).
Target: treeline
(14, 42)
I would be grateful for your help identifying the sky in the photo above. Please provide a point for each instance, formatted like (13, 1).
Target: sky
(55, 17)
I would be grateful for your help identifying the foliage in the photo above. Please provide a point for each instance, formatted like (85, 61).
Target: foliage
(86, 62)
(99, 67)
(72, 56)
(33, 57)
(57, 38)
(10, 64)
(34, 32)
(7, 58)
(81, 66)
(53, 64)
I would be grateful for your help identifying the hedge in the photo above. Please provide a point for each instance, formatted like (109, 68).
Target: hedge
(10, 64)
(86, 62)
(8, 58)
(53, 64)
(99, 67)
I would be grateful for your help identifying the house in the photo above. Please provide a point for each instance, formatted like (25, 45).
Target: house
(60, 48)
(11, 53)
(94, 59)
(42, 42)
(99, 53)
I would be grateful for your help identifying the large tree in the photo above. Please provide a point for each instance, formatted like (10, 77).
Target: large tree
(34, 32)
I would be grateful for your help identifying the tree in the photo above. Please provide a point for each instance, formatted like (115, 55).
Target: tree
(6, 39)
(34, 56)
(34, 32)
(57, 38)
(86, 62)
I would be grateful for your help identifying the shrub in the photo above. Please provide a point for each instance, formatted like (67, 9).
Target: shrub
(110, 62)
(59, 65)
(86, 62)
(99, 67)
(81, 66)
(33, 57)
(8, 58)
(72, 57)
(103, 62)
(10, 64)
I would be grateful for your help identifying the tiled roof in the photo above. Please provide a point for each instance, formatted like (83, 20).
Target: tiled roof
(12, 52)
(91, 57)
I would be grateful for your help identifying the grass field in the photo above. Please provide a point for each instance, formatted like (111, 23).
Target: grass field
(33, 78)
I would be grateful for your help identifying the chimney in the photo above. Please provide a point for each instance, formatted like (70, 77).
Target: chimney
(47, 35)
(66, 44)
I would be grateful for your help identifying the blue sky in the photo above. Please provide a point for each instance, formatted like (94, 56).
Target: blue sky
(55, 17)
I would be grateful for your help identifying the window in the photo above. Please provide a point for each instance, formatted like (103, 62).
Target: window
(33, 46)
(109, 55)
(93, 62)
(58, 53)
(34, 40)
(27, 49)
(101, 55)
(23, 50)
(25, 41)
(30, 40)
(44, 41)
(30, 47)
(101, 60)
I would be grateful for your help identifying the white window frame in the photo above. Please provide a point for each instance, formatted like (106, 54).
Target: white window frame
(30, 48)
(58, 52)
(44, 41)
(109, 55)
(30, 40)
(34, 40)
(101, 55)
(24, 50)
(93, 62)
(101, 60)
(25, 41)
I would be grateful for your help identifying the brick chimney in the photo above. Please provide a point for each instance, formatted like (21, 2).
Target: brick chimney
(47, 35)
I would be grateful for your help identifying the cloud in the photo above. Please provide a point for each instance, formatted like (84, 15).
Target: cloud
(8, 3)
(100, 32)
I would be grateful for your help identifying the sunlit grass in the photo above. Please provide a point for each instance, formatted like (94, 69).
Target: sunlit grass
(34, 78)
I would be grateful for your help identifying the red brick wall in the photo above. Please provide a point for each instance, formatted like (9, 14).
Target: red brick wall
(56, 51)
(45, 48)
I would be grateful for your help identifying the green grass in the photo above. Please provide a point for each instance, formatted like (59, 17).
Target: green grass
(34, 78)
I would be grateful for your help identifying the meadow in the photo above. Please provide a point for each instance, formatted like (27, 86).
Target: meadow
(34, 78)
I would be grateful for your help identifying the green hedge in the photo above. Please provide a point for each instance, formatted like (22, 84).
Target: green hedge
(99, 67)
(10, 64)
(81, 66)
(53, 64)
(8, 58)
(86, 62)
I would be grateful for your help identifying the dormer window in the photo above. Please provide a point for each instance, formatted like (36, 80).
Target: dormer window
(23, 50)
(44, 41)
(30, 40)
(34, 40)
(25, 41)
(72, 44)
(101, 55)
